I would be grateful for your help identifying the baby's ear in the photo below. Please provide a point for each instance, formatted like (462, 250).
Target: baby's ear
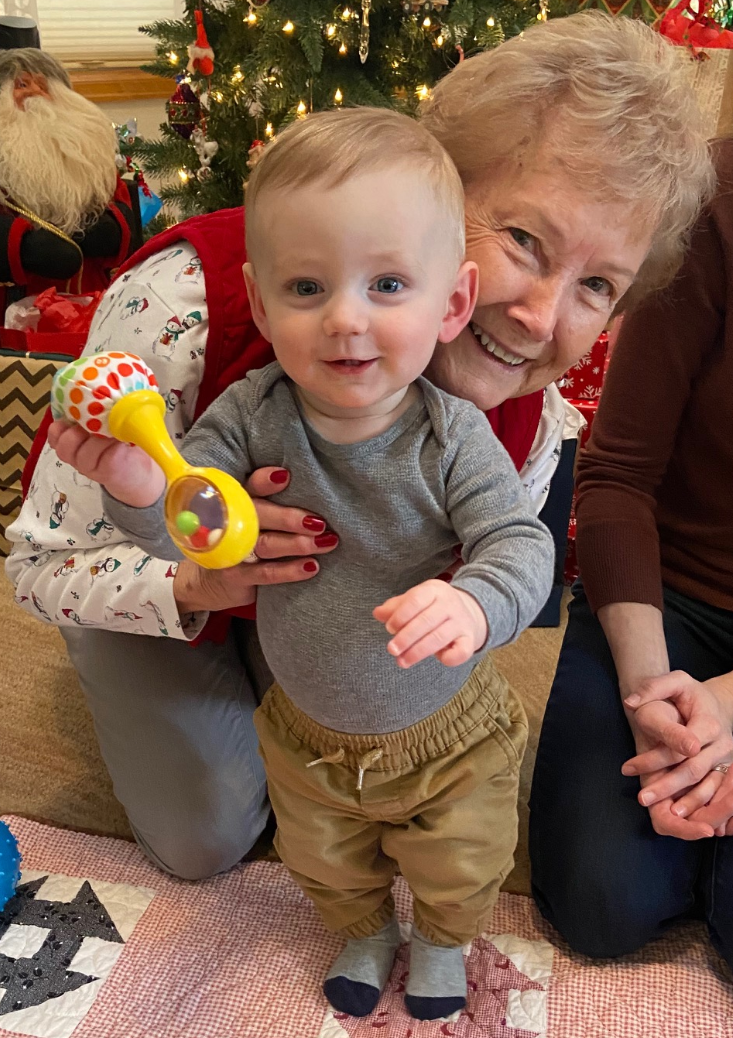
(255, 301)
(461, 302)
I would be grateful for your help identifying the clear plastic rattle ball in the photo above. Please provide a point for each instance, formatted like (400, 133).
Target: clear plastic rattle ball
(195, 513)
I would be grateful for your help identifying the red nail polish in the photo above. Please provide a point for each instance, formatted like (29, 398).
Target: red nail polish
(279, 476)
(313, 523)
(326, 540)
(310, 567)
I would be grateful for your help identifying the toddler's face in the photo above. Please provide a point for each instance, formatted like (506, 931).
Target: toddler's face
(355, 283)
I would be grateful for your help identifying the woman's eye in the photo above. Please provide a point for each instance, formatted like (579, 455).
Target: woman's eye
(389, 286)
(599, 286)
(307, 288)
(523, 238)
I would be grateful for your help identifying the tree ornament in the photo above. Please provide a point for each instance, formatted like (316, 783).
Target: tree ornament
(366, 6)
(184, 110)
(205, 150)
(255, 153)
(200, 53)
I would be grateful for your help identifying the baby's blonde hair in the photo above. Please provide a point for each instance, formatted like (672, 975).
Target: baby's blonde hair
(610, 98)
(330, 148)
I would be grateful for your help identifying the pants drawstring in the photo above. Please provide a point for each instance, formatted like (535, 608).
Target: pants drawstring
(368, 761)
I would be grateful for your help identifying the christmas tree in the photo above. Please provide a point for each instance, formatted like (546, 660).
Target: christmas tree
(244, 68)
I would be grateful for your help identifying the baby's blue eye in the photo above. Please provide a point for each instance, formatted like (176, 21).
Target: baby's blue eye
(307, 288)
(388, 285)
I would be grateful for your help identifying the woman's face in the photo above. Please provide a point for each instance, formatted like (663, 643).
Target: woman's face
(553, 263)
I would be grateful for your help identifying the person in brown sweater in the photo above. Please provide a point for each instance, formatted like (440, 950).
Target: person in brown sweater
(643, 694)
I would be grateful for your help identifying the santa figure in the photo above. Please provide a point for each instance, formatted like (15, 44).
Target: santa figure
(65, 214)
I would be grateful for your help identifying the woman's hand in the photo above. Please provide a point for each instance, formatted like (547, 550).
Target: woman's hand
(686, 749)
(288, 540)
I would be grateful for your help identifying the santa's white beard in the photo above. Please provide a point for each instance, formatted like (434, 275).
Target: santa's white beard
(57, 157)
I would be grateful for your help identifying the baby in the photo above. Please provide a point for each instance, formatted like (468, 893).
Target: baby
(355, 244)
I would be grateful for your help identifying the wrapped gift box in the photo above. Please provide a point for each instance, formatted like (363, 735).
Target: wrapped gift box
(25, 386)
(585, 380)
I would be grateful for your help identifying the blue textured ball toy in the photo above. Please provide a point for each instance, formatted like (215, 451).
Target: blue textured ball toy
(9, 865)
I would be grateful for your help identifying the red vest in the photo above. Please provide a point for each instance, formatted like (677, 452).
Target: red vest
(234, 345)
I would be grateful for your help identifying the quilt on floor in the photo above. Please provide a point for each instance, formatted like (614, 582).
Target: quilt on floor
(99, 944)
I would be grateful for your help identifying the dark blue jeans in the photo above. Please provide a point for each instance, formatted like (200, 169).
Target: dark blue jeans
(600, 874)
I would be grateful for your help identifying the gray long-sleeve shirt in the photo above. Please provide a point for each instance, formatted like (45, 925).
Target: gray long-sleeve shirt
(399, 502)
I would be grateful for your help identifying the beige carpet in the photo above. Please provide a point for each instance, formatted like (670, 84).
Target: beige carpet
(50, 767)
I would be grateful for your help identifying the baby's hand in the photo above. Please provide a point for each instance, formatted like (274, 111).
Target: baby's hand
(433, 619)
(124, 470)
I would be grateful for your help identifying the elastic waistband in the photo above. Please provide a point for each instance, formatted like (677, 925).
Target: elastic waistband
(470, 706)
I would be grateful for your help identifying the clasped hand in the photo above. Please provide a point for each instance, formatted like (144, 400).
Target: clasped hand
(683, 730)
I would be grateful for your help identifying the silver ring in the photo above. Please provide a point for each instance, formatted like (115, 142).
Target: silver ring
(722, 768)
(252, 557)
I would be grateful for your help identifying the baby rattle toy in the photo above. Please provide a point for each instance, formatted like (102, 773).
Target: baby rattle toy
(9, 865)
(208, 514)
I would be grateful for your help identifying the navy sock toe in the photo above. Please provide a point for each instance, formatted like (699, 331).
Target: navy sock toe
(352, 996)
(433, 1008)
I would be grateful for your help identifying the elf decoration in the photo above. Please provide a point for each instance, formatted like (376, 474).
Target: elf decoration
(209, 515)
(72, 227)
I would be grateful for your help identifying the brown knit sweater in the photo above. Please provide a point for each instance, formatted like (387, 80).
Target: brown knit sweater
(655, 487)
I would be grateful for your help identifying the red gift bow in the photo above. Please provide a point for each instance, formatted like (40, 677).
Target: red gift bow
(697, 31)
(61, 314)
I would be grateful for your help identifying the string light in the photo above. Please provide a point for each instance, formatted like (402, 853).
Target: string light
(288, 27)
(251, 17)
(269, 130)
(346, 14)
(301, 110)
(338, 96)
(238, 75)
(542, 16)
(427, 23)
(422, 92)
(172, 57)
(490, 22)
(218, 96)
(343, 49)
(184, 175)
(439, 41)
(330, 31)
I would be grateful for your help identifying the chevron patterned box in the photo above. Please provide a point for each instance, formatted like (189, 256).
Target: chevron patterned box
(25, 385)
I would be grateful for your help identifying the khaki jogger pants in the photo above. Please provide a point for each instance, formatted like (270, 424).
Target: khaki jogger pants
(438, 800)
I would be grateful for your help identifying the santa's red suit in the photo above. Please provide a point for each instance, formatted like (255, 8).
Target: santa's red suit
(28, 252)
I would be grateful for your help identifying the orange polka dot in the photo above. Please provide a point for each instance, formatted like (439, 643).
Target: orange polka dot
(75, 412)
(90, 373)
(95, 407)
(76, 395)
(94, 425)
(102, 362)
(118, 354)
(125, 369)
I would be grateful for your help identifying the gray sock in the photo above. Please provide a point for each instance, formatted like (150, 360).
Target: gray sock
(436, 985)
(359, 975)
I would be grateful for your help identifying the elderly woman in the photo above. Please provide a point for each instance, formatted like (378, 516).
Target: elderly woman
(644, 684)
(565, 222)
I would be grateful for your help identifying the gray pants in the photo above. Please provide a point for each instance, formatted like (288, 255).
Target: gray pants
(175, 729)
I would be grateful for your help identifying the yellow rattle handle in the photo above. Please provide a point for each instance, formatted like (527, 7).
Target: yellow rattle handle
(138, 418)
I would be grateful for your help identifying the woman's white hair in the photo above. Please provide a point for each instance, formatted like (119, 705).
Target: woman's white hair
(610, 97)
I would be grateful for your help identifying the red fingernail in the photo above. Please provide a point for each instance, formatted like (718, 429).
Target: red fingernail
(279, 476)
(312, 522)
(310, 567)
(326, 540)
